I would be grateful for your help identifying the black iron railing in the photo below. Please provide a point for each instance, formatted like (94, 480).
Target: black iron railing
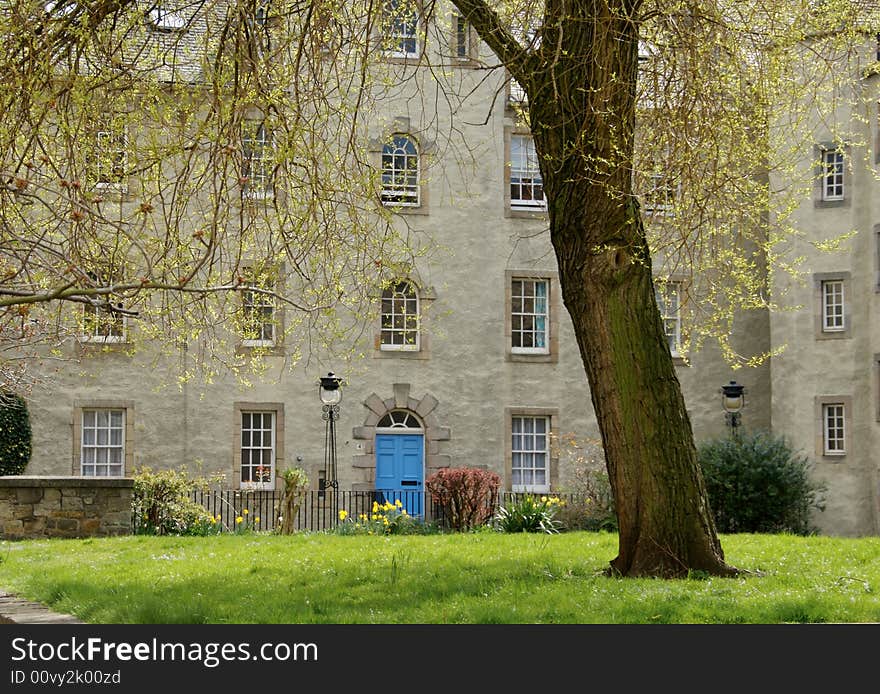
(320, 510)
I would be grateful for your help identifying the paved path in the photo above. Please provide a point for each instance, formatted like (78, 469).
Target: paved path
(14, 610)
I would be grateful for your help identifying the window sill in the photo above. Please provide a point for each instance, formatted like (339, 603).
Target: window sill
(95, 347)
(830, 204)
(256, 487)
(413, 59)
(269, 349)
(109, 340)
(400, 353)
(399, 348)
(112, 192)
(465, 63)
(515, 357)
(397, 208)
(833, 335)
(527, 212)
(254, 197)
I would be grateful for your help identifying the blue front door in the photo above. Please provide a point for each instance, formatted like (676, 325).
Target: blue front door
(400, 470)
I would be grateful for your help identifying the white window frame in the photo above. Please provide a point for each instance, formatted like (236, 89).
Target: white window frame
(96, 318)
(398, 30)
(671, 318)
(525, 174)
(259, 310)
(258, 153)
(524, 448)
(264, 480)
(111, 151)
(520, 316)
(91, 450)
(834, 428)
(833, 178)
(833, 306)
(401, 171)
(400, 298)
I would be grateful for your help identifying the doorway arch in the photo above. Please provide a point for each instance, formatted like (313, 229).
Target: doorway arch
(399, 414)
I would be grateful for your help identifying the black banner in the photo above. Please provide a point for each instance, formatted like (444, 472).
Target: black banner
(461, 658)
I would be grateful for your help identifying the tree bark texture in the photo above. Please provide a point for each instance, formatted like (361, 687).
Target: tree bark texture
(580, 84)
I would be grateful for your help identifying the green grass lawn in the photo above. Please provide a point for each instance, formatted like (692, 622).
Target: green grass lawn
(483, 577)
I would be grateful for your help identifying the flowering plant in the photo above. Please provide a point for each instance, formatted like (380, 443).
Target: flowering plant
(384, 519)
(530, 514)
(245, 522)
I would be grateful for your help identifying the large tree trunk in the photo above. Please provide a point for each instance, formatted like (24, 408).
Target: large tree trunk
(581, 87)
(585, 140)
(666, 526)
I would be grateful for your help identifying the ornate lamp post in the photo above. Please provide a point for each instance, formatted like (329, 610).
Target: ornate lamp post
(331, 395)
(733, 400)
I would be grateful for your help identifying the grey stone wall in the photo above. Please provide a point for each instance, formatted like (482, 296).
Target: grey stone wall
(38, 507)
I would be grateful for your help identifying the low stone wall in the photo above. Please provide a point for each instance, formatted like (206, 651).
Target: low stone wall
(36, 507)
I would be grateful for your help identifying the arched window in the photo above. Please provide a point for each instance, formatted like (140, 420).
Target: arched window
(400, 316)
(399, 419)
(400, 23)
(400, 172)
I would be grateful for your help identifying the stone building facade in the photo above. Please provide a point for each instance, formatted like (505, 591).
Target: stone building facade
(471, 360)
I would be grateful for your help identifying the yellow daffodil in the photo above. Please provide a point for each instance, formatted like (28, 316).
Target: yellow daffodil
(343, 514)
(238, 519)
(245, 512)
(375, 506)
(257, 519)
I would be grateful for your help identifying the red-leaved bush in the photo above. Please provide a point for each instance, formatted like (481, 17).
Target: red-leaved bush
(466, 496)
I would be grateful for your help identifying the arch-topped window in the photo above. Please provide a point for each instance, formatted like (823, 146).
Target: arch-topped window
(400, 24)
(399, 419)
(400, 316)
(400, 171)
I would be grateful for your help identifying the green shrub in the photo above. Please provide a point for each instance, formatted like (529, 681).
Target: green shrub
(529, 514)
(757, 483)
(15, 434)
(161, 504)
(465, 496)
